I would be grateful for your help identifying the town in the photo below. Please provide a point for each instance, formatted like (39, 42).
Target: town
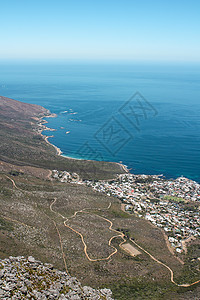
(172, 205)
(169, 204)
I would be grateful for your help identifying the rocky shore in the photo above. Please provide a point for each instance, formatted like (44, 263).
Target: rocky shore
(27, 278)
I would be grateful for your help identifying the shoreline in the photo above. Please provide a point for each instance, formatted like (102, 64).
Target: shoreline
(124, 167)
(58, 150)
(42, 127)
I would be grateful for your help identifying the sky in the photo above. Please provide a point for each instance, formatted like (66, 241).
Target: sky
(138, 30)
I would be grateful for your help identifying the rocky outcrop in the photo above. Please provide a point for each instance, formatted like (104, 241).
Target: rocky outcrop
(27, 278)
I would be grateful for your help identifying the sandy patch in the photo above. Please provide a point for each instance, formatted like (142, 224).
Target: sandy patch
(130, 249)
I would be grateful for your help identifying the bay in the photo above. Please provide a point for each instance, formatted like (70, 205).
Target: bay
(160, 135)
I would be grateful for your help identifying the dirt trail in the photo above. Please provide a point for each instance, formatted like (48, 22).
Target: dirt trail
(13, 182)
(121, 235)
(184, 242)
(49, 176)
(58, 232)
(170, 248)
(15, 186)
(61, 247)
(161, 263)
(16, 221)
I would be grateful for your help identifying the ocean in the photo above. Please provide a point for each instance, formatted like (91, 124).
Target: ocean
(143, 114)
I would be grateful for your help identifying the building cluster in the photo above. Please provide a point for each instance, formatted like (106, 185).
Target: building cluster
(64, 176)
(169, 204)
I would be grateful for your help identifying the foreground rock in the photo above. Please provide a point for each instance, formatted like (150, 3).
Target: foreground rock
(22, 278)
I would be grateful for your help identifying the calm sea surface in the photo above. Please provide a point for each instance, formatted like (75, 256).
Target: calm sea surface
(155, 131)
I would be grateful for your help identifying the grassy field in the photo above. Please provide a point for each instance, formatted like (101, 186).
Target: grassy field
(175, 199)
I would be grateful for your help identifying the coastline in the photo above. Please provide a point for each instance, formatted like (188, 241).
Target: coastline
(124, 167)
(41, 127)
(59, 152)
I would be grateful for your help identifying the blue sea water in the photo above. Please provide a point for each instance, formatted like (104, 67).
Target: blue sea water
(156, 132)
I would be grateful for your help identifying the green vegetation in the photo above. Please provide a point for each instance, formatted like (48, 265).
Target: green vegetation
(126, 232)
(6, 192)
(15, 173)
(144, 180)
(119, 214)
(5, 225)
(156, 201)
(148, 289)
(137, 289)
(190, 272)
(174, 199)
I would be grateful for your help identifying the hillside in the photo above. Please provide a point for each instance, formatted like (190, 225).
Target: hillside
(78, 230)
(10, 108)
(28, 278)
(22, 145)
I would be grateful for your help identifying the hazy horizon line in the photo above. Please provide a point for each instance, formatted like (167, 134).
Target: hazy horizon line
(111, 61)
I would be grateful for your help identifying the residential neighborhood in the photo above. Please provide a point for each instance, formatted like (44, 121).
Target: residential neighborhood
(173, 205)
(169, 204)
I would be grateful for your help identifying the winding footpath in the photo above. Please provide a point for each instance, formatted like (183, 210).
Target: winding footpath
(56, 227)
(13, 182)
(161, 263)
(121, 235)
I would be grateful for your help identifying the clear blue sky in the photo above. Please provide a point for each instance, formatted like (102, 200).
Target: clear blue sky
(100, 29)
